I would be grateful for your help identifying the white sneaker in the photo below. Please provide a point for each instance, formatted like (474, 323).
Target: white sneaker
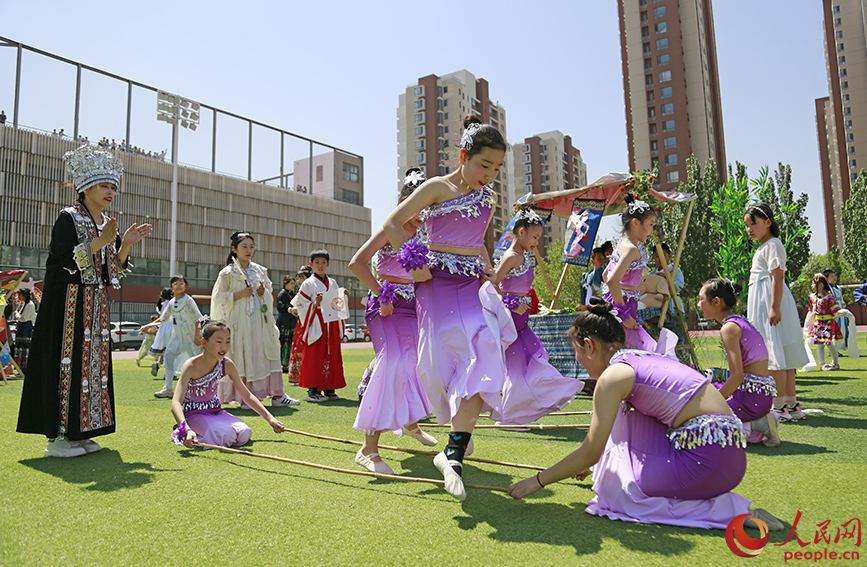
(367, 462)
(166, 392)
(62, 447)
(420, 436)
(89, 445)
(284, 401)
(454, 482)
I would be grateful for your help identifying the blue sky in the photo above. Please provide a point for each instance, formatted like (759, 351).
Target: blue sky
(333, 71)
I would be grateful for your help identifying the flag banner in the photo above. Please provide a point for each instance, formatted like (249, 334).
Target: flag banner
(581, 230)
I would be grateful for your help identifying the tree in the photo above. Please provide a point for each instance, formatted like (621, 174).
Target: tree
(854, 217)
(790, 214)
(697, 258)
(728, 204)
(570, 294)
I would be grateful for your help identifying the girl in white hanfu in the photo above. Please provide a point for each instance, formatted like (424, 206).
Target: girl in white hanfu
(242, 299)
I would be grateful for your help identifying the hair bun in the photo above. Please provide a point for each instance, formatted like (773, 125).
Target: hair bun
(737, 287)
(629, 198)
(471, 119)
(599, 306)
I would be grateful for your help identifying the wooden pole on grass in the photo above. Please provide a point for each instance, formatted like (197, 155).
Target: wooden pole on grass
(345, 471)
(554, 300)
(528, 426)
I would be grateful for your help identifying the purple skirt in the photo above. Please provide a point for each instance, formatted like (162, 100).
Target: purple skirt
(641, 477)
(532, 388)
(394, 397)
(639, 338)
(216, 427)
(459, 355)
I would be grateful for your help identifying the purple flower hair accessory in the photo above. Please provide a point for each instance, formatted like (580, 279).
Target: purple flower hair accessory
(386, 293)
(511, 301)
(413, 255)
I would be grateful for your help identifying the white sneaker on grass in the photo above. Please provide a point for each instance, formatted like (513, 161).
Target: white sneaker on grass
(62, 447)
(89, 445)
(284, 401)
(166, 392)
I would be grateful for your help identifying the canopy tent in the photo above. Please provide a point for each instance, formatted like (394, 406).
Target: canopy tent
(612, 189)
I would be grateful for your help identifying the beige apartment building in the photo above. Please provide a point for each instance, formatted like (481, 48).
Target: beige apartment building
(841, 117)
(430, 117)
(671, 86)
(548, 162)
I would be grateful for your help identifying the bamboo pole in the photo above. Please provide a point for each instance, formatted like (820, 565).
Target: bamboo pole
(413, 451)
(345, 471)
(528, 426)
(540, 263)
(554, 300)
(555, 413)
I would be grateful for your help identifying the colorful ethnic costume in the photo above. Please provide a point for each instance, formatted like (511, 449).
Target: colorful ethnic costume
(204, 415)
(532, 388)
(784, 340)
(825, 329)
(255, 338)
(394, 396)
(69, 389)
(654, 473)
(321, 362)
(462, 328)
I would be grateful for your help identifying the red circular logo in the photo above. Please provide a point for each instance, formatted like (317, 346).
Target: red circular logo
(337, 304)
(740, 543)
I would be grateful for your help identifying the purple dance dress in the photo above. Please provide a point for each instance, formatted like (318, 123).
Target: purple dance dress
(460, 347)
(532, 388)
(204, 414)
(394, 396)
(655, 474)
(638, 338)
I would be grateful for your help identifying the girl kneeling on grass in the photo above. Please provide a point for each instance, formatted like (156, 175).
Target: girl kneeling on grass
(664, 445)
(749, 390)
(195, 404)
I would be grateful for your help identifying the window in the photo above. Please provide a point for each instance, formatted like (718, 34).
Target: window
(666, 92)
(845, 98)
(645, 33)
(848, 124)
(525, 148)
(649, 97)
(669, 143)
(319, 173)
(643, 17)
(419, 130)
(853, 177)
(446, 130)
(663, 59)
(350, 172)
(839, 34)
(654, 146)
(648, 65)
(852, 164)
(419, 158)
(672, 177)
(349, 196)
(844, 85)
(419, 117)
(840, 47)
(844, 72)
(646, 48)
(667, 108)
(528, 188)
(525, 159)
(648, 81)
(664, 76)
(850, 137)
(419, 144)
(653, 130)
(851, 150)
(667, 125)
(671, 159)
(527, 168)
(661, 27)
(446, 116)
(528, 179)
(841, 60)
(838, 22)
(446, 102)
(847, 111)
(836, 9)
(445, 90)
(662, 43)
(651, 113)
(419, 91)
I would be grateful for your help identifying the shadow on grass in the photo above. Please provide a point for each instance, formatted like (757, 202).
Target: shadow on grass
(789, 448)
(824, 381)
(825, 420)
(850, 401)
(104, 471)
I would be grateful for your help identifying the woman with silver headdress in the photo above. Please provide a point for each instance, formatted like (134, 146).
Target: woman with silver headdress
(69, 392)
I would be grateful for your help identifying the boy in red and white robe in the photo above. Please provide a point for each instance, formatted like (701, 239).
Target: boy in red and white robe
(321, 361)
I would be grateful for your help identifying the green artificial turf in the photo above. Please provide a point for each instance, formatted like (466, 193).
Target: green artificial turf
(145, 501)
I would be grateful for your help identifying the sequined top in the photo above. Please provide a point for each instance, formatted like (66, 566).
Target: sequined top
(519, 279)
(662, 387)
(387, 264)
(632, 277)
(460, 222)
(202, 392)
(753, 347)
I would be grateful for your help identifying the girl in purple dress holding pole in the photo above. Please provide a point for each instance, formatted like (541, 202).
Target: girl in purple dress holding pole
(196, 406)
(748, 389)
(394, 399)
(532, 388)
(460, 350)
(664, 445)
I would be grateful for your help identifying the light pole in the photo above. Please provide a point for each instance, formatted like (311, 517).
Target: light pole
(177, 111)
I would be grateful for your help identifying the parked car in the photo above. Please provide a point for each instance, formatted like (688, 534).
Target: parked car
(126, 335)
(366, 337)
(350, 333)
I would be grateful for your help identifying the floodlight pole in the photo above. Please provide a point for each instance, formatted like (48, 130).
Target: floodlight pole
(173, 239)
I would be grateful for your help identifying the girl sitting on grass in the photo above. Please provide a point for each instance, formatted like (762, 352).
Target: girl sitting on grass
(749, 390)
(196, 407)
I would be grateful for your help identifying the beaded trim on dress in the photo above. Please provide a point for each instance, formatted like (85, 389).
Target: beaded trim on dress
(708, 429)
(469, 205)
(456, 263)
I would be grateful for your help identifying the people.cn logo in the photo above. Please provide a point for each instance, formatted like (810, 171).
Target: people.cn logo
(740, 543)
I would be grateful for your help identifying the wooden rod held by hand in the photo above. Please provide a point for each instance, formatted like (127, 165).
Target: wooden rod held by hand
(347, 471)
(528, 426)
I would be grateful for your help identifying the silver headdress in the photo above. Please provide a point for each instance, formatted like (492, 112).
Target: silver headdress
(637, 207)
(414, 178)
(90, 166)
(467, 138)
(531, 216)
